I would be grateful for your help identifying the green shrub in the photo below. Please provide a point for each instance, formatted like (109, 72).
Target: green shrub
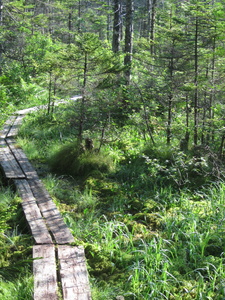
(73, 160)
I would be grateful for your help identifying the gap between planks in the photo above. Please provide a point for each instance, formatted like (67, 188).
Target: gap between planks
(72, 273)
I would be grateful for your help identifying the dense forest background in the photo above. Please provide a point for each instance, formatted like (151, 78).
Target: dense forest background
(163, 59)
(136, 162)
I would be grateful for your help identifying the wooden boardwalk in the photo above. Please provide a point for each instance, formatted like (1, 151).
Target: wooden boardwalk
(59, 268)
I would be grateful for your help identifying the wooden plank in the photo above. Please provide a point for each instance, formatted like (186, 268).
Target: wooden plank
(22, 159)
(27, 110)
(45, 275)
(7, 126)
(32, 213)
(3, 143)
(9, 164)
(73, 273)
(15, 127)
(54, 220)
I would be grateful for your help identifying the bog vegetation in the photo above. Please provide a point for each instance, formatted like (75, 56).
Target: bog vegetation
(135, 164)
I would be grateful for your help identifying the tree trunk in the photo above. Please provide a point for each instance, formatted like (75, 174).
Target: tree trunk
(79, 16)
(83, 100)
(196, 83)
(145, 30)
(212, 91)
(170, 97)
(108, 22)
(152, 26)
(1, 8)
(116, 26)
(1, 18)
(128, 40)
(49, 92)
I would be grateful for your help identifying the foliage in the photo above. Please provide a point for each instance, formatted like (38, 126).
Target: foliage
(75, 160)
(147, 202)
(151, 223)
(15, 272)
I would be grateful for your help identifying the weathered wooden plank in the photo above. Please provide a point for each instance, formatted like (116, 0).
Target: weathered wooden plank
(3, 143)
(44, 270)
(9, 164)
(27, 110)
(22, 159)
(7, 126)
(15, 127)
(51, 214)
(73, 273)
(32, 213)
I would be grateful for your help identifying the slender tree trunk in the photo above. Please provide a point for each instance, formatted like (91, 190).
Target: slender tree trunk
(116, 26)
(145, 28)
(79, 16)
(54, 94)
(108, 22)
(70, 26)
(1, 18)
(212, 91)
(147, 117)
(221, 146)
(152, 26)
(196, 83)
(1, 9)
(49, 92)
(170, 98)
(169, 120)
(83, 99)
(128, 40)
(187, 134)
(185, 141)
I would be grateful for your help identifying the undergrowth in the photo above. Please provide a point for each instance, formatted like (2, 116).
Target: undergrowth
(16, 280)
(150, 218)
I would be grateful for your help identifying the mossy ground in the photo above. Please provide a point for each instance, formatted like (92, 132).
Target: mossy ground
(150, 230)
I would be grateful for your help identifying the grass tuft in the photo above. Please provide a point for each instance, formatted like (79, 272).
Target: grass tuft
(72, 160)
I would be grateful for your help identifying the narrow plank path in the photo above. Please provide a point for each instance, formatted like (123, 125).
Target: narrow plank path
(59, 268)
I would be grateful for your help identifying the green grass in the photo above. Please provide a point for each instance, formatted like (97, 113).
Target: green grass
(151, 221)
(16, 280)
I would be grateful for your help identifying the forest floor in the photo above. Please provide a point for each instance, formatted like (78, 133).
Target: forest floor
(151, 224)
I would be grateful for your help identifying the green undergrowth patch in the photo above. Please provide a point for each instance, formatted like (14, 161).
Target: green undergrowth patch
(16, 280)
(74, 161)
(149, 217)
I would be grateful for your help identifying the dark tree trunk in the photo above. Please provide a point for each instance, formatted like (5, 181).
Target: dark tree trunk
(108, 22)
(152, 25)
(128, 40)
(196, 83)
(212, 92)
(83, 100)
(79, 16)
(1, 9)
(116, 26)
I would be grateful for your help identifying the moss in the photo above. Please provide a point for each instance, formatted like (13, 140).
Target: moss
(153, 221)
(98, 261)
(70, 160)
(215, 247)
(151, 206)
